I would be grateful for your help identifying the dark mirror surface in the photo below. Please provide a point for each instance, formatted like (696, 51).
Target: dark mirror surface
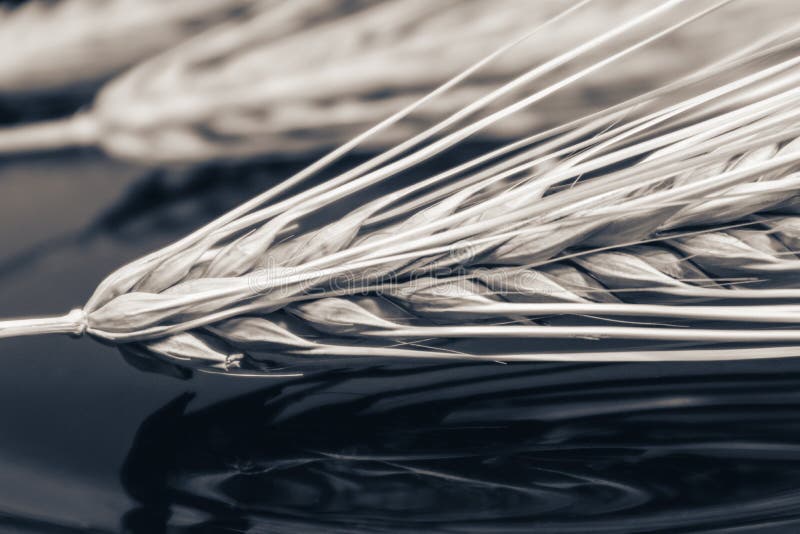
(89, 444)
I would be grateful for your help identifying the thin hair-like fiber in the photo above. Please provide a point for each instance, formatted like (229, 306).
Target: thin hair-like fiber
(668, 233)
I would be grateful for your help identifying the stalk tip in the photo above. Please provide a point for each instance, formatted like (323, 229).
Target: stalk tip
(72, 323)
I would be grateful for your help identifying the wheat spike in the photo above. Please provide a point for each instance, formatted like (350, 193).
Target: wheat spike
(658, 231)
(73, 43)
(295, 77)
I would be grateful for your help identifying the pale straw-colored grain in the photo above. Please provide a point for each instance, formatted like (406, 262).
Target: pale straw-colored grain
(53, 47)
(657, 231)
(301, 76)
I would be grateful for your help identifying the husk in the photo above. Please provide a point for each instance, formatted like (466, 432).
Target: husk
(574, 250)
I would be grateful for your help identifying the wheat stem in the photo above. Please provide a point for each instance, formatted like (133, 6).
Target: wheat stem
(73, 323)
(76, 131)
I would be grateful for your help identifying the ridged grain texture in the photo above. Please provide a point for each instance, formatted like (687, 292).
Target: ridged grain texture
(665, 234)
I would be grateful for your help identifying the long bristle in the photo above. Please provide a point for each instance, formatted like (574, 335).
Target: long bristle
(650, 222)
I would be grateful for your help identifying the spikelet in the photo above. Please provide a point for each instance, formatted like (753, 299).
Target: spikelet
(306, 75)
(622, 243)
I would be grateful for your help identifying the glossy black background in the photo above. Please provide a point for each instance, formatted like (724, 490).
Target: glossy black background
(89, 444)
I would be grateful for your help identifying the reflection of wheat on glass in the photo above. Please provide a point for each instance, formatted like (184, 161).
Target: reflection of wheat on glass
(661, 228)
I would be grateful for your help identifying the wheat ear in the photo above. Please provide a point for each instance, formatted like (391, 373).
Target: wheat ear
(70, 44)
(236, 90)
(657, 214)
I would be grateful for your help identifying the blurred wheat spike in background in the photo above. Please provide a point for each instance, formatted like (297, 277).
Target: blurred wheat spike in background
(56, 47)
(664, 227)
(302, 76)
